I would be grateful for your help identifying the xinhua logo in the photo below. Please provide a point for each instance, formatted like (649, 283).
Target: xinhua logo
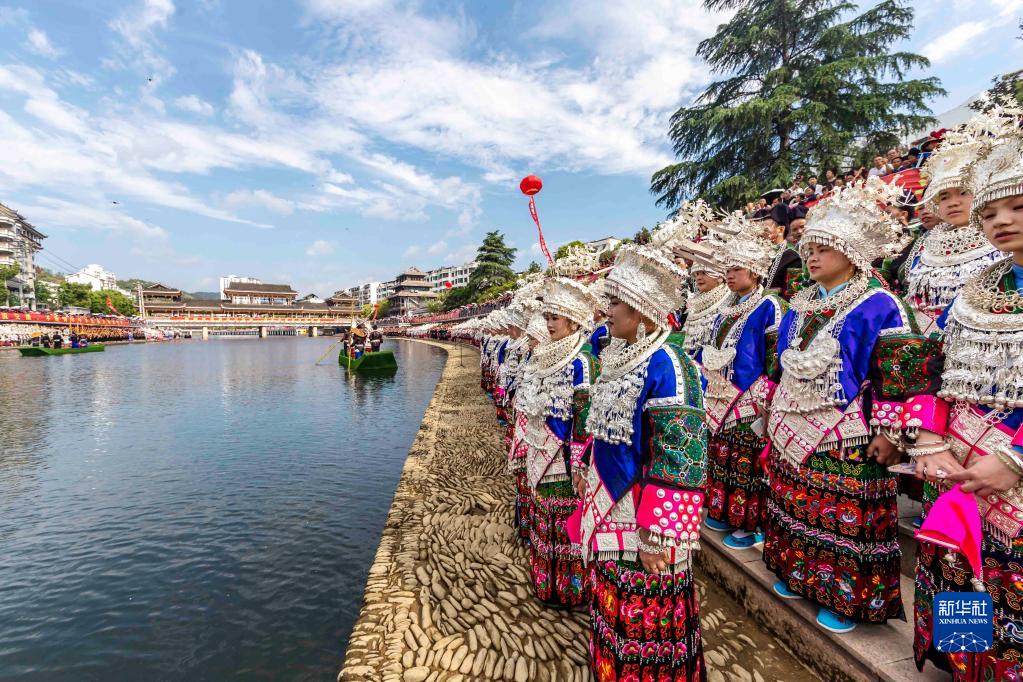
(963, 622)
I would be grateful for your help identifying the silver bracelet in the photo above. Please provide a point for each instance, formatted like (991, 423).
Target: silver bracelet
(925, 450)
(650, 549)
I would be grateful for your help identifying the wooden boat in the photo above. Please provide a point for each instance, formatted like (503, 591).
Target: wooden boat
(382, 361)
(39, 351)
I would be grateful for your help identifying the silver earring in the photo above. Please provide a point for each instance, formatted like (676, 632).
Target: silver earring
(641, 331)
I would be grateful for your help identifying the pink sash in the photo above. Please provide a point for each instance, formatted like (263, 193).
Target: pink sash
(969, 436)
(954, 523)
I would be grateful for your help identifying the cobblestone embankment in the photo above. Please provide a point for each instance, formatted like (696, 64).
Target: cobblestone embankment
(448, 595)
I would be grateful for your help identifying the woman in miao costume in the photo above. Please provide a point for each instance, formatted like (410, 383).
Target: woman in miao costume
(642, 490)
(488, 354)
(849, 352)
(703, 305)
(678, 239)
(977, 422)
(736, 360)
(551, 403)
(509, 333)
(954, 251)
(535, 332)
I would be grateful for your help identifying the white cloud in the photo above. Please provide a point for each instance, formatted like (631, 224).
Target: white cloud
(39, 43)
(501, 111)
(260, 198)
(948, 45)
(195, 105)
(437, 248)
(411, 252)
(11, 16)
(96, 217)
(320, 247)
(137, 26)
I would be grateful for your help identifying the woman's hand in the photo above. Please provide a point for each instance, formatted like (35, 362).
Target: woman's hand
(652, 563)
(986, 476)
(881, 449)
(939, 466)
(579, 483)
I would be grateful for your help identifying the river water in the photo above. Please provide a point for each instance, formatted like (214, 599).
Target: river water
(195, 510)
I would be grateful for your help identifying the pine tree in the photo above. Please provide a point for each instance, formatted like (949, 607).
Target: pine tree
(802, 85)
(493, 268)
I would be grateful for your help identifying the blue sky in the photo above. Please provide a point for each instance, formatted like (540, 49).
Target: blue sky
(325, 142)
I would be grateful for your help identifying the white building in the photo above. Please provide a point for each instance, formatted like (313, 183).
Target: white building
(19, 241)
(226, 280)
(605, 244)
(458, 275)
(95, 276)
(365, 294)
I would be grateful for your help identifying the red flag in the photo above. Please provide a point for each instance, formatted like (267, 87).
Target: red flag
(376, 309)
(110, 304)
(908, 180)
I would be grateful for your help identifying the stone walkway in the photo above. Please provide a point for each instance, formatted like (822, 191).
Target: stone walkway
(448, 595)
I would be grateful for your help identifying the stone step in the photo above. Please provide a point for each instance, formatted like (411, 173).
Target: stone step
(870, 652)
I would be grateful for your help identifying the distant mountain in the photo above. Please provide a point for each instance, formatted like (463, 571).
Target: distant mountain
(203, 295)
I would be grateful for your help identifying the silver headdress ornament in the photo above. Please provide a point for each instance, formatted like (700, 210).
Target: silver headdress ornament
(996, 174)
(519, 311)
(647, 280)
(742, 245)
(569, 298)
(852, 220)
(598, 290)
(578, 261)
(946, 167)
(692, 219)
(536, 328)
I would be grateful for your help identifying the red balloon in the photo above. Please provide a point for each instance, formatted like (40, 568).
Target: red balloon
(447, 285)
(530, 185)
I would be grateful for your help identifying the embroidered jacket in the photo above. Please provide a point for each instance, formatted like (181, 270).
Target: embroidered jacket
(649, 457)
(844, 374)
(551, 416)
(787, 276)
(978, 368)
(735, 367)
(597, 338)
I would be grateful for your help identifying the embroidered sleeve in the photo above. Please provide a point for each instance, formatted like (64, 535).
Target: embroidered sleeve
(584, 369)
(900, 358)
(899, 369)
(678, 446)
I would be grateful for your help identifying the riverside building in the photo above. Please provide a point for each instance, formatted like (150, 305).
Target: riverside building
(19, 242)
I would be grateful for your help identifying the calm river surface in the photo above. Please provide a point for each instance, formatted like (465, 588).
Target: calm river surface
(195, 510)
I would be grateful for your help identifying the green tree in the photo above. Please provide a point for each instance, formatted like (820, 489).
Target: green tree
(456, 297)
(44, 296)
(8, 272)
(98, 302)
(494, 259)
(642, 237)
(802, 83)
(533, 268)
(563, 250)
(77, 295)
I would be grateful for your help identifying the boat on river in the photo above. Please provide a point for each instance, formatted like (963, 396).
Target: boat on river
(381, 361)
(39, 351)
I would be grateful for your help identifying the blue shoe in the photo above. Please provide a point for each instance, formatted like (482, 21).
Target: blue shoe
(758, 539)
(716, 525)
(502, 422)
(732, 542)
(784, 592)
(918, 521)
(832, 622)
